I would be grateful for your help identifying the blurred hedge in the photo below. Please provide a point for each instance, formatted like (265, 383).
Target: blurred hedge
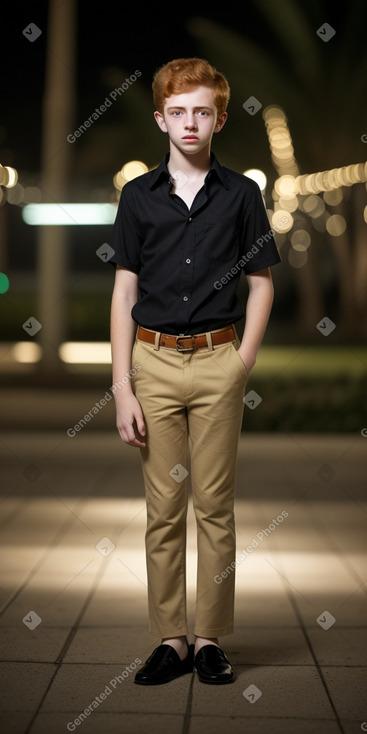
(314, 404)
(307, 388)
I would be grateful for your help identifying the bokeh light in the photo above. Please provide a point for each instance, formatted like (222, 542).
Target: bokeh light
(314, 206)
(68, 214)
(319, 223)
(4, 283)
(314, 183)
(336, 225)
(282, 221)
(27, 352)
(334, 197)
(8, 176)
(258, 176)
(119, 181)
(297, 258)
(290, 203)
(300, 240)
(280, 141)
(16, 194)
(12, 177)
(32, 195)
(3, 176)
(128, 172)
(132, 169)
(285, 186)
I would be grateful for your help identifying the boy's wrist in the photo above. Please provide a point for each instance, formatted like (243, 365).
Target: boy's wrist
(122, 388)
(122, 397)
(249, 358)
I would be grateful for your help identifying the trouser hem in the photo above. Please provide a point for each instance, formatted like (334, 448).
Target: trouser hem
(214, 632)
(168, 633)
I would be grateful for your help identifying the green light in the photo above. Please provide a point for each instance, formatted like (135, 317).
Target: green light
(69, 214)
(4, 283)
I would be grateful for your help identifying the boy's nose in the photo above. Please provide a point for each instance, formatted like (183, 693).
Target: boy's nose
(190, 123)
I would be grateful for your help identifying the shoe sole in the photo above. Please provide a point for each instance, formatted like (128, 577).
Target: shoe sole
(161, 682)
(216, 682)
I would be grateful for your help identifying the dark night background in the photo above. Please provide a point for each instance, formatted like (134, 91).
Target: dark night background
(266, 49)
(300, 615)
(126, 37)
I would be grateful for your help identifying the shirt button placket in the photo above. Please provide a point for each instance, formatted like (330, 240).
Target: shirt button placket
(187, 276)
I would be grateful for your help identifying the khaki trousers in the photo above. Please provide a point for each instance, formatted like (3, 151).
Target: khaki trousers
(190, 398)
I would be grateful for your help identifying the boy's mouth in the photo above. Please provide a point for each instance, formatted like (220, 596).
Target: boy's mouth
(190, 137)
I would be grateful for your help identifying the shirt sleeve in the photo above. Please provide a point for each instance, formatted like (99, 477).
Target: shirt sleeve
(259, 250)
(125, 240)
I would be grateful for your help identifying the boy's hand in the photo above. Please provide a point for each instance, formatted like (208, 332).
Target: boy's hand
(248, 361)
(259, 302)
(130, 421)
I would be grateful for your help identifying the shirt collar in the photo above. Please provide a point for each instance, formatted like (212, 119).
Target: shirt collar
(162, 172)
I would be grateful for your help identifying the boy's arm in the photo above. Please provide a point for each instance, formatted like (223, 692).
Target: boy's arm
(129, 415)
(258, 308)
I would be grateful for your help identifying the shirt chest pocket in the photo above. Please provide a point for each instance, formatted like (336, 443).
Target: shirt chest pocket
(217, 237)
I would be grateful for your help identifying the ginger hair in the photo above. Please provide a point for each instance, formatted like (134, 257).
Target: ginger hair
(181, 75)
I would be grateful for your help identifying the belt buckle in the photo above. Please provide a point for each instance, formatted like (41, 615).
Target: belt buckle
(185, 349)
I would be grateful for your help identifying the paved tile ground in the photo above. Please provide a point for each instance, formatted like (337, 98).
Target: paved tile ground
(60, 497)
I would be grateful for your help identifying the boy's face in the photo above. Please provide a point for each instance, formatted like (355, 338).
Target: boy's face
(190, 119)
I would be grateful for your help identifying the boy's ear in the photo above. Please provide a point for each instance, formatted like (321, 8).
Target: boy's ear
(160, 121)
(220, 122)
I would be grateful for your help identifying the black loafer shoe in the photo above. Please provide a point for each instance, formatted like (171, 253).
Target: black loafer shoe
(213, 666)
(163, 665)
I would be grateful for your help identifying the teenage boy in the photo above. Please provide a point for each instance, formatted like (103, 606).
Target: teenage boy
(183, 233)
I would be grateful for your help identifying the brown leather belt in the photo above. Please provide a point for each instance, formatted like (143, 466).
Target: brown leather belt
(186, 343)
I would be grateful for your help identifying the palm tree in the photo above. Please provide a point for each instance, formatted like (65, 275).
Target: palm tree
(321, 88)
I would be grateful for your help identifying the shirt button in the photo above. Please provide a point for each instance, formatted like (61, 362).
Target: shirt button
(188, 261)
(185, 298)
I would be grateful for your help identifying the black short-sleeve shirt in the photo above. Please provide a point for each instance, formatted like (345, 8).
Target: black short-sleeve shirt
(189, 261)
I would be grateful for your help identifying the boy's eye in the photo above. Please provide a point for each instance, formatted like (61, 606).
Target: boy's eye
(201, 113)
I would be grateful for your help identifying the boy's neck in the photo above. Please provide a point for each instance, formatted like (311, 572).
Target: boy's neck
(194, 166)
